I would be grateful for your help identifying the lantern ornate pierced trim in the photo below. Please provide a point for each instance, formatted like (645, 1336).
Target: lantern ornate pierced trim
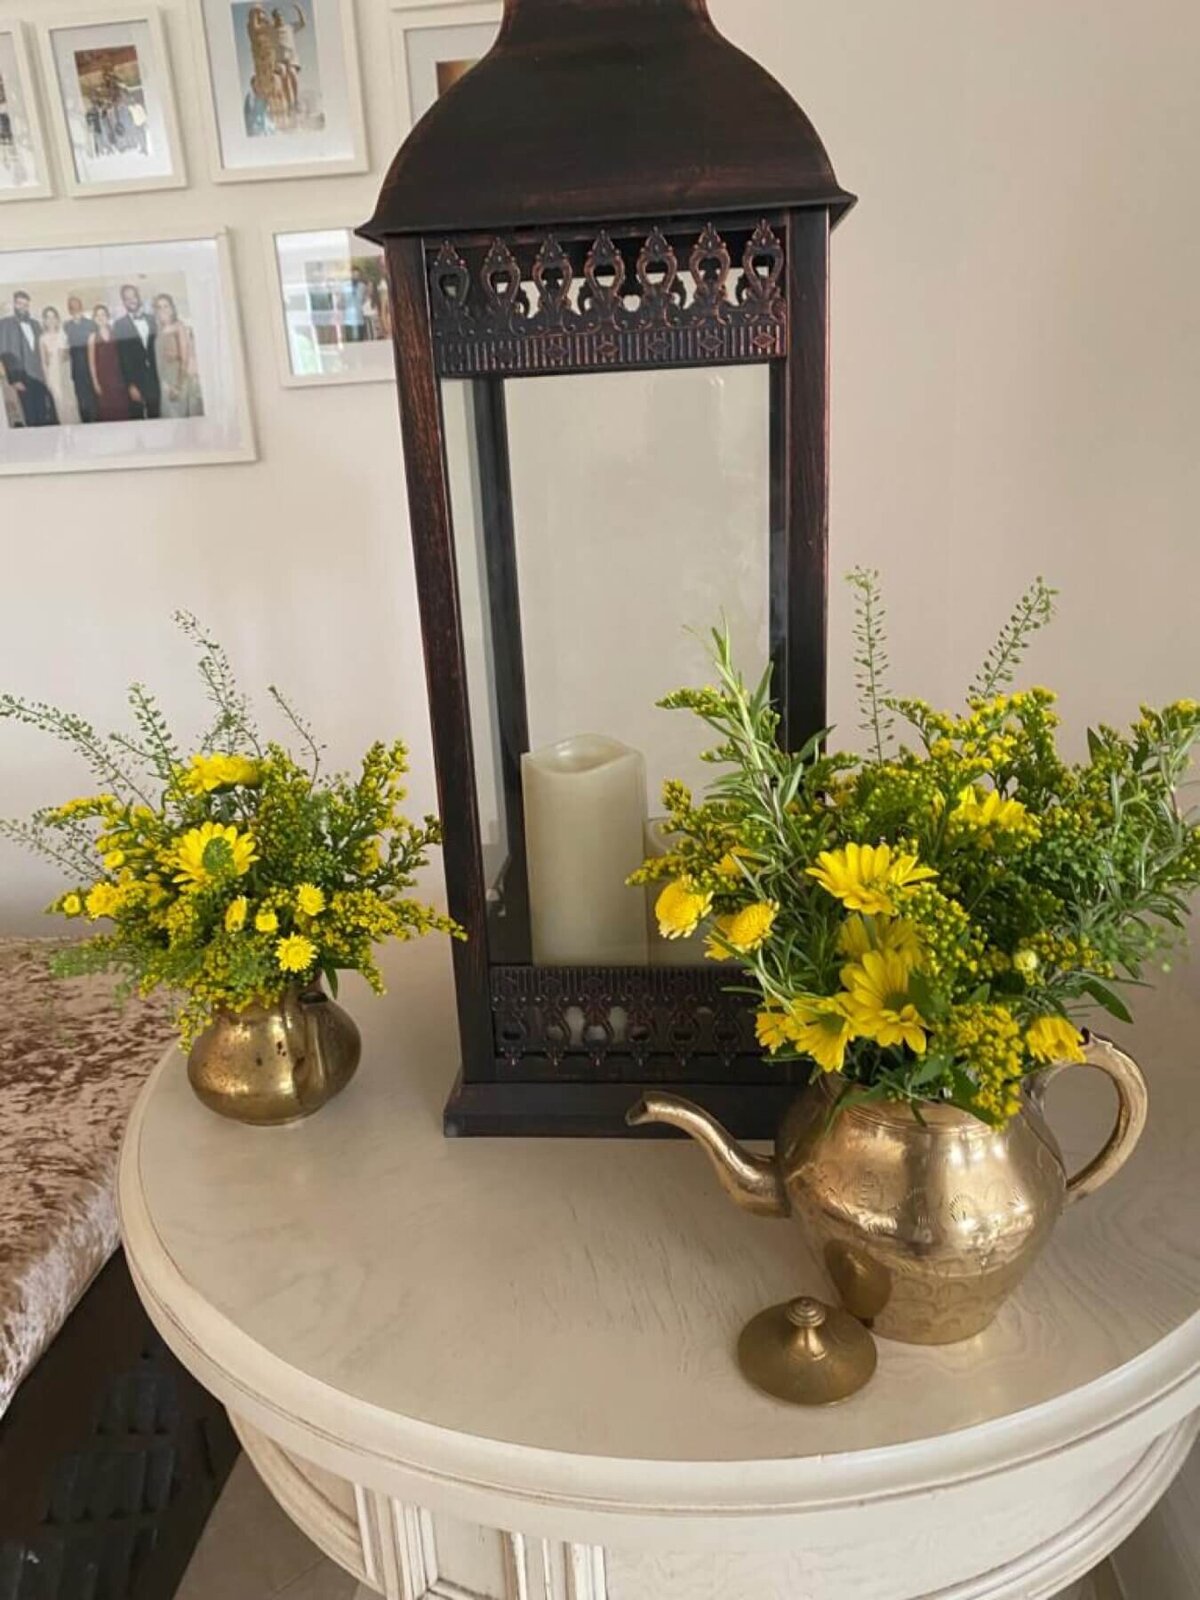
(622, 297)
(694, 233)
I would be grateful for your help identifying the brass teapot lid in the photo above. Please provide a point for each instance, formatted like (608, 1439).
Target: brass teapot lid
(806, 1352)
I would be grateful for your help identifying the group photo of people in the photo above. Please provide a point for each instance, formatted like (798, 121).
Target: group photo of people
(278, 59)
(110, 83)
(73, 354)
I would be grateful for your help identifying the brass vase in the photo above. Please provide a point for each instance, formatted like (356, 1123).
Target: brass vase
(277, 1063)
(925, 1225)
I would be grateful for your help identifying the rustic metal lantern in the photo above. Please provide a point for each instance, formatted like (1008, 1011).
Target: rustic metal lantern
(613, 188)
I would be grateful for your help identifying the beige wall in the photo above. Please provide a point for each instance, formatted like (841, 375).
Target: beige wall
(1016, 381)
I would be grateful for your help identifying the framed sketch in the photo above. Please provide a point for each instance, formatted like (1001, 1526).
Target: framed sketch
(24, 174)
(435, 45)
(120, 355)
(332, 316)
(283, 96)
(108, 79)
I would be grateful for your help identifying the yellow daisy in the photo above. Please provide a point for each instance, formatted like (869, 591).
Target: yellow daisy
(206, 773)
(878, 1002)
(771, 1028)
(295, 953)
(680, 909)
(984, 810)
(741, 931)
(896, 935)
(213, 851)
(820, 1027)
(1054, 1039)
(266, 922)
(235, 914)
(102, 900)
(865, 877)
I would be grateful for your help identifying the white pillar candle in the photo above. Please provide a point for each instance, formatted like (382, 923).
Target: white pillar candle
(585, 811)
(666, 952)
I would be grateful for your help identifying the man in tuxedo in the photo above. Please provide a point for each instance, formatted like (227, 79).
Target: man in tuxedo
(20, 337)
(134, 333)
(32, 395)
(79, 329)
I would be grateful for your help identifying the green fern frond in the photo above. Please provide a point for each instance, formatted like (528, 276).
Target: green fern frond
(871, 658)
(1030, 615)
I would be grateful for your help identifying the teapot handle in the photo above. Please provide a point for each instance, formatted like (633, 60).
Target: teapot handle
(1133, 1099)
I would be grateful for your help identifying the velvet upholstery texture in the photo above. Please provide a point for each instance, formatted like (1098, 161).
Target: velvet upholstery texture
(71, 1063)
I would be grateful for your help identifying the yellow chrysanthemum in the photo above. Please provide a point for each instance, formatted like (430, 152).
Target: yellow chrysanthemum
(729, 864)
(235, 914)
(295, 953)
(206, 773)
(742, 931)
(866, 877)
(211, 852)
(266, 922)
(310, 899)
(878, 1002)
(72, 904)
(102, 900)
(1054, 1039)
(680, 909)
(985, 810)
(114, 859)
(820, 1027)
(895, 934)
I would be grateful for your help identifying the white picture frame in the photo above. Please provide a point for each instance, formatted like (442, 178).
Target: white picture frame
(112, 100)
(24, 169)
(193, 406)
(252, 137)
(326, 333)
(426, 38)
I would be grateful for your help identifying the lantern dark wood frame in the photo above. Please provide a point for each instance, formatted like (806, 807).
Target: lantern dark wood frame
(614, 187)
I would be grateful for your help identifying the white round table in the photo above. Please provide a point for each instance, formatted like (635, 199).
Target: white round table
(503, 1368)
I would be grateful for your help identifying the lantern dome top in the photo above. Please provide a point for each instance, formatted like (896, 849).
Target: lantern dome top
(601, 110)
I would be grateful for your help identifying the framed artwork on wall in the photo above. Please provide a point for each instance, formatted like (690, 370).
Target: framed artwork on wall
(121, 355)
(435, 45)
(333, 320)
(112, 107)
(283, 97)
(24, 174)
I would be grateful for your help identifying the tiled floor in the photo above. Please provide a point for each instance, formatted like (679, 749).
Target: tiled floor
(251, 1550)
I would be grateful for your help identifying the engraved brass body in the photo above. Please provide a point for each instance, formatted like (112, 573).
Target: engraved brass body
(924, 1226)
(273, 1064)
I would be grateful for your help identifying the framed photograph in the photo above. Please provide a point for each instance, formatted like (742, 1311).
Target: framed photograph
(24, 174)
(435, 45)
(112, 107)
(333, 317)
(283, 97)
(121, 355)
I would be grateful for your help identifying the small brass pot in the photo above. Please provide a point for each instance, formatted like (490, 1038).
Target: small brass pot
(925, 1224)
(273, 1064)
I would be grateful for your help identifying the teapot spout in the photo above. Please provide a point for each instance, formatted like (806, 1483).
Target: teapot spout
(754, 1181)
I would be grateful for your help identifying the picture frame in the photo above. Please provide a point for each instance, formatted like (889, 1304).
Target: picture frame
(432, 45)
(309, 121)
(331, 313)
(112, 100)
(24, 169)
(134, 359)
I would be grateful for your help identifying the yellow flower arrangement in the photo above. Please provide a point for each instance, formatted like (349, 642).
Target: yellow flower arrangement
(232, 872)
(931, 921)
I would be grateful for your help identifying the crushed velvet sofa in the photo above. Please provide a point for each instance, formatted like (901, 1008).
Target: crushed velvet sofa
(111, 1455)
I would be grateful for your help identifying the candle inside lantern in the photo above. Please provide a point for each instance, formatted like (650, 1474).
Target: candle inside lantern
(585, 811)
(666, 952)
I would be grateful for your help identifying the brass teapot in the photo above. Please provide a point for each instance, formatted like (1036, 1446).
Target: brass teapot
(927, 1224)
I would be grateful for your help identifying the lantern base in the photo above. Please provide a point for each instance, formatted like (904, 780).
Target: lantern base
(575, 1110)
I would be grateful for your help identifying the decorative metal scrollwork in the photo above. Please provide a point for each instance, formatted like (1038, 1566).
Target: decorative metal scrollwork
(622, 300)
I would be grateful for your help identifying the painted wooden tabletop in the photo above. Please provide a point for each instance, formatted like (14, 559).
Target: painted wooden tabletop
(583, 1297)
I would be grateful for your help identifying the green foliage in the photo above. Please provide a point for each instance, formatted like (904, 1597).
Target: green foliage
(871, 658)
(929, 922)
(232, 873)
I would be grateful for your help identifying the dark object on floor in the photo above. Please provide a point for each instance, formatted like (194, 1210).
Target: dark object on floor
(111, 1458)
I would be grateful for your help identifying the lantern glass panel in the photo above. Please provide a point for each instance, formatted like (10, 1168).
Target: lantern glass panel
(639, 516)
